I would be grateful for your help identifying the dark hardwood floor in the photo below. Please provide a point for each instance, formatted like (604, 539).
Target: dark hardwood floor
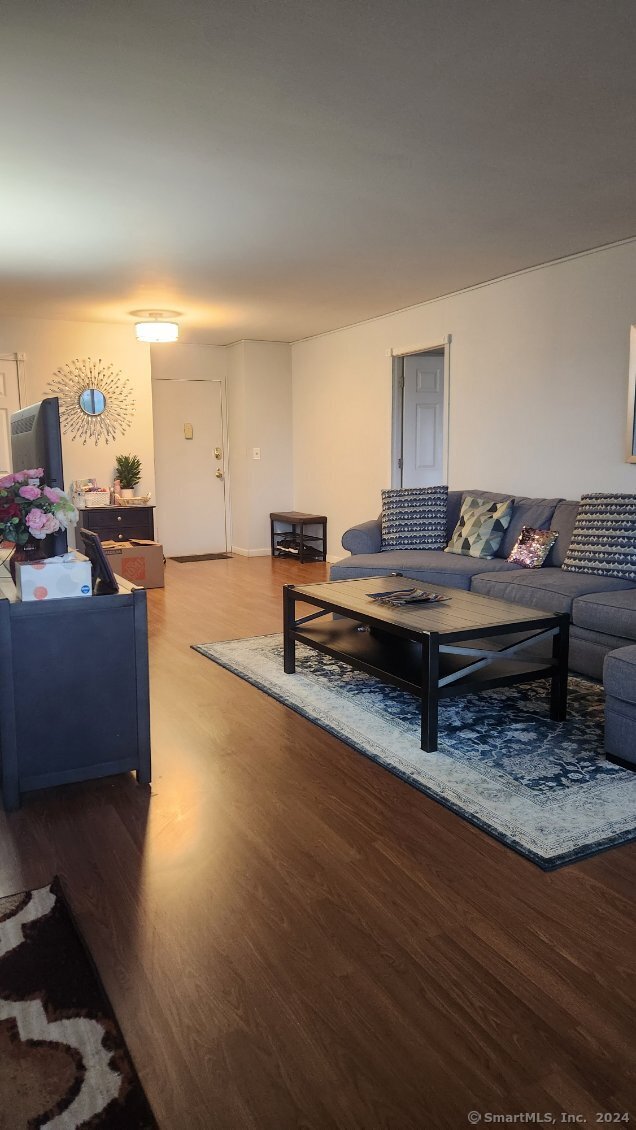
(293, 938)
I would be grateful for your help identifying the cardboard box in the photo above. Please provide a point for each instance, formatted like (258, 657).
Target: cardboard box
(54, 579)
(141, 564)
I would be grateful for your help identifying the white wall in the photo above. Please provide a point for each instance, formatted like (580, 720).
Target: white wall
(538, 390)
(177, 361)
(260, 415)
(48, 345)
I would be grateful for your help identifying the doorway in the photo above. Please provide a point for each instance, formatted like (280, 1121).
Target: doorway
(190, 466)
(10, 401)
(420, 418)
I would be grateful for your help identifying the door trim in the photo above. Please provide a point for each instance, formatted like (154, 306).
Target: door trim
(225, 439)
(19, 360)
(397, 398)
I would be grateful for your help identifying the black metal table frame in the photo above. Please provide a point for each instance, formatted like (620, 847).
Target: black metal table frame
(432, 687)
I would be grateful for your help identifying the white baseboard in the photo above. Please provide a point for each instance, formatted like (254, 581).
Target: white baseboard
(251, 552)
(331, 557)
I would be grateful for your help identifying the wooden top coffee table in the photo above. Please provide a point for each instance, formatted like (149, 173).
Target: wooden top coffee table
(426, 648)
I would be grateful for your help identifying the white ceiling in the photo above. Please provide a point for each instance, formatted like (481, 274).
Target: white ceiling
(274, 169)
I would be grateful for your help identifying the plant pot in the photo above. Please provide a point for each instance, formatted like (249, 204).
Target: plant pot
(127, 492)
(31, 551)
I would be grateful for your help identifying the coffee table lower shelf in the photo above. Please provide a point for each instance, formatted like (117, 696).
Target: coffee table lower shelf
(399, 661)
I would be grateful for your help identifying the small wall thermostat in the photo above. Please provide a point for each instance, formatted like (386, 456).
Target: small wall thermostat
(188, 431)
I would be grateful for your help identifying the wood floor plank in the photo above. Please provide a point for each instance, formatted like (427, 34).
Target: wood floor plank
(294, 938)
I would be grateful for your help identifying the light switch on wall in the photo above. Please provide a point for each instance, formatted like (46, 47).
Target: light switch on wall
(188, 431)
(256, 453)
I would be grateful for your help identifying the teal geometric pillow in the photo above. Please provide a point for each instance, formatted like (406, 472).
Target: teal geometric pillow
(481, 527)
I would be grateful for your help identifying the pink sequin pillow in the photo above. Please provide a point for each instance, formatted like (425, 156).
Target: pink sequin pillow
(532, 547)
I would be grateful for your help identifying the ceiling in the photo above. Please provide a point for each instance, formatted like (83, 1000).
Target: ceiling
(281, 168)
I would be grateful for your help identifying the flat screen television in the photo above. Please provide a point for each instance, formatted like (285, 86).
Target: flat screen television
(36, 441)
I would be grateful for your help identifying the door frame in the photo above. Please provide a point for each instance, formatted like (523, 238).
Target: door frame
(225, 440)
(397, 403)
(19, 360)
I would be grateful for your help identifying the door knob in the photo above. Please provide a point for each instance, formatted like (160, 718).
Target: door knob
(219, 473)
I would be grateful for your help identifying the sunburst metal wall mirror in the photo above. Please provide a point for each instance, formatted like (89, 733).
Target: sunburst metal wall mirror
(95, 401)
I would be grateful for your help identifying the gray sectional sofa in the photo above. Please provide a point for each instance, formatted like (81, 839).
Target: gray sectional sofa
(602, 609)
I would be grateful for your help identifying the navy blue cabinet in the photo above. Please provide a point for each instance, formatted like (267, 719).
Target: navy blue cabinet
(74, 691)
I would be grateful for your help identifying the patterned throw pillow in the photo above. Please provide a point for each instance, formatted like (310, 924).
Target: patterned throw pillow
(481, 527)
(604, 537)
(414, 518)
(532, 547)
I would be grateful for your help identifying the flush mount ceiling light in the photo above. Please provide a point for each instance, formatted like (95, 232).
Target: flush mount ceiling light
(156, 325)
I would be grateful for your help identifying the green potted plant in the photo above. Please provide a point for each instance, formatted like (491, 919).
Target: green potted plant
(128, 471)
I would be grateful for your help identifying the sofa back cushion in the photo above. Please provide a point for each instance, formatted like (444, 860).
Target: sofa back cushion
(414, 518)
(562, 524)
(604, 537)
(453, 508)
(534, 512)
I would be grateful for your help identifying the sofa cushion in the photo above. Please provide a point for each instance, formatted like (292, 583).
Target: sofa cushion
(482, 524)
(453, 508)
(414, 518)
(550, 590)
(604, 537)
(613, 613)
(536, 512)
(619, 673)
(435, 567)
(562, 523)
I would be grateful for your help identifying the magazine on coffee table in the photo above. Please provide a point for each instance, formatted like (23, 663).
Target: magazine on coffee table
(397, 598)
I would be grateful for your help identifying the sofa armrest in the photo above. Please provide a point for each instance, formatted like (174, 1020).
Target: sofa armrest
(365, 538)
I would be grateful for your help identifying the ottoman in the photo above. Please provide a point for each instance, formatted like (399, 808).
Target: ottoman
(619, 680)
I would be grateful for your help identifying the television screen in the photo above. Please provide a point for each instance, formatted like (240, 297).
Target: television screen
(36, 441)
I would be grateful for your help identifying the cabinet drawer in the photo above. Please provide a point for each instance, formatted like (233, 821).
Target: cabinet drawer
(115, 533)
(134, 522)
(123, 520)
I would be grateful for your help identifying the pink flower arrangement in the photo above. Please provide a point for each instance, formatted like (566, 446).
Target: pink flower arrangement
(30, 510)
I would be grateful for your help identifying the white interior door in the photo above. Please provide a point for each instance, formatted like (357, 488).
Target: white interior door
(9, 402)
(423, 420)
(189, 454)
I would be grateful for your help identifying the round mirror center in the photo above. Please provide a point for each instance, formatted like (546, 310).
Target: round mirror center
(92, 402)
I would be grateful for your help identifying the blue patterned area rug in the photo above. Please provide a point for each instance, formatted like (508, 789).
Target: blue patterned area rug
(543, 788)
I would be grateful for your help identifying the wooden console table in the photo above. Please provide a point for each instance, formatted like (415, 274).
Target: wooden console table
(74, 692)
